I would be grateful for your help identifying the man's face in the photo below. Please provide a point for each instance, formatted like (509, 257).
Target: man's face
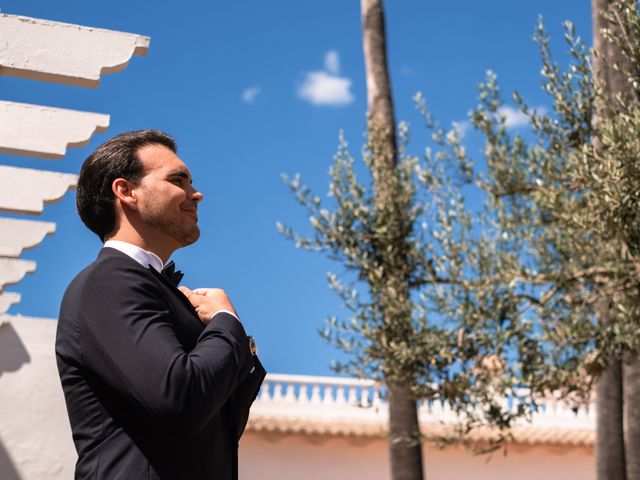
(167, 202)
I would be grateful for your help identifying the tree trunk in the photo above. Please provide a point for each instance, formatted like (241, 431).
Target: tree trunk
(618, 392)
(405, 444)
(611, 79)
(380, 118)
(404, 429)
(610, 458)
(631, 387)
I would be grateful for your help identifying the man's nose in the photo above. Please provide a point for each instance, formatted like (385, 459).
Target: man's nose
(196, 196)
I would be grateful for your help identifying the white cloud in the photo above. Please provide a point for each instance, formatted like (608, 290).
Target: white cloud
(249, 94)
(321, 88)
(332, 62)
(514, 118)
(327, 87)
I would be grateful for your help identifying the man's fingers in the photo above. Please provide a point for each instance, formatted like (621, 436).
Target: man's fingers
(207, 301)
(187, 293)
(192, 296)
(208, 291)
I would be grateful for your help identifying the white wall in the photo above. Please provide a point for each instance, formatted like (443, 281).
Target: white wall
(35, 437)
(287, 457)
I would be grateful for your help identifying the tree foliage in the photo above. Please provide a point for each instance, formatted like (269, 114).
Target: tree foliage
(507, 256)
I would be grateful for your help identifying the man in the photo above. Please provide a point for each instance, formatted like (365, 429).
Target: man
(158, 380)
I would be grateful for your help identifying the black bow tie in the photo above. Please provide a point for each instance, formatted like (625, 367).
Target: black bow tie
(171, 275)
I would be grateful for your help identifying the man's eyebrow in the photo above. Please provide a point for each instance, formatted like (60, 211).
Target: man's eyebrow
(179, 174)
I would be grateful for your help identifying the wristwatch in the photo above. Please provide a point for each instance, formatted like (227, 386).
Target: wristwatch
(252, 350)
(252, 346)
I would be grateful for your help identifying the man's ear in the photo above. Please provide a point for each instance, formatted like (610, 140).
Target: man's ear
(125, 193)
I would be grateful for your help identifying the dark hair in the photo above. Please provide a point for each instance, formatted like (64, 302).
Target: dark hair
(116, 158)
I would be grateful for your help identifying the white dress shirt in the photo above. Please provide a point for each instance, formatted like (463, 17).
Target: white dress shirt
(143, 257)
(147, 259)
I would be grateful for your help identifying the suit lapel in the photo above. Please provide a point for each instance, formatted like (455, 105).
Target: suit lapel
(174, 290)
(110, 252)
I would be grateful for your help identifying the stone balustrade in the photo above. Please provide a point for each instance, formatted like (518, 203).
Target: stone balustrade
(358, 407)
(327, 391)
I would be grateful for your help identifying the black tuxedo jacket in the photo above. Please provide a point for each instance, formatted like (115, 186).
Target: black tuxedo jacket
(151, 392)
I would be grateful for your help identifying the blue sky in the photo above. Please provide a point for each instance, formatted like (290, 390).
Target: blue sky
(252, 89)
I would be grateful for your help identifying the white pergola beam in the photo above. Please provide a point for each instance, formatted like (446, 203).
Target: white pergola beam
(62, 52)
(35, 130)
(12, 270)
(25, 190)
(20, 234)
(7, 299)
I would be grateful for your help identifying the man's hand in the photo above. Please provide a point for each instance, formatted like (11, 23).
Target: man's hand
(208, 302)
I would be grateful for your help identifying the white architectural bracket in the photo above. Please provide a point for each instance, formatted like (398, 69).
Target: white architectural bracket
(12, 270)
(62, 52)
(7, 299)
(26, 190)
(20, 234)
(46, 132)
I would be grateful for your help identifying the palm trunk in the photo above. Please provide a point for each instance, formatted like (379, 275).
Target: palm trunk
(381, 121)
(406, 447)
(610, 457)
(404, 430)
(631, 387)
(618, 391)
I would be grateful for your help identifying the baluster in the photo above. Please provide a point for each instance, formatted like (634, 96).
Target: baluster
(264, 392)
(376, 396)
(353, 395)
(277, 392)
(340, 397)
(591, 408)
(303, 394)
(327, 397)
(548, 407)
(436, 408)
(291, 393)
(315, 394)
(447, 414)
(560, 409)
(583, 412)
(364, 397)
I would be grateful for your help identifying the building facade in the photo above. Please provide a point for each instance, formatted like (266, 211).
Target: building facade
(301, 427)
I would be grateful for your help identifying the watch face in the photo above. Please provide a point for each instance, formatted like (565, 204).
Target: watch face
(252, 346)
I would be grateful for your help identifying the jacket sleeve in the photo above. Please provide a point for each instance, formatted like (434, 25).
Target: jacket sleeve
(128, 340)
(246, 393)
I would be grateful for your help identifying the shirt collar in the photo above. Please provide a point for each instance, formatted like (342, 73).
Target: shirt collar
(143, 257)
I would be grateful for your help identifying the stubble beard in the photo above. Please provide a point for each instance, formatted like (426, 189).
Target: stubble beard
(183, 236)
(172, 227)
(189, 237)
